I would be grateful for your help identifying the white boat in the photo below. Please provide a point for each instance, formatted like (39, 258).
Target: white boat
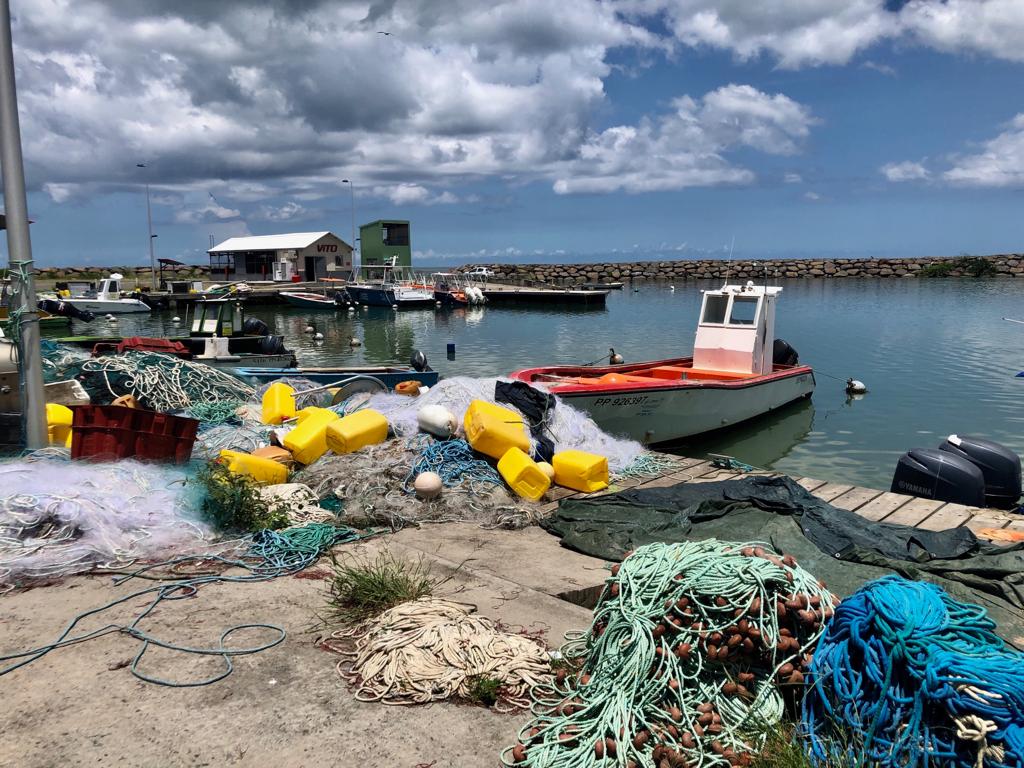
(738, 372)
(107, 299)
(388, 290)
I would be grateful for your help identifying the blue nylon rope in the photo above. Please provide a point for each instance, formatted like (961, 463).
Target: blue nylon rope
(453, 460)
(893, 673)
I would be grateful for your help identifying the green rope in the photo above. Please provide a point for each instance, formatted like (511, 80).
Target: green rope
(684, 661)
(223, 412)
(647, 464)
(271, 554)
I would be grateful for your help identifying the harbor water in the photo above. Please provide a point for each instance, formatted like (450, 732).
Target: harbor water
(936, 355)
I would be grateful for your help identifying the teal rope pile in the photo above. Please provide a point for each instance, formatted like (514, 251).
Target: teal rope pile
(453, 460)
(906, 675)
(646, 464)
(683, 663)
(270, 554)
(213, 414)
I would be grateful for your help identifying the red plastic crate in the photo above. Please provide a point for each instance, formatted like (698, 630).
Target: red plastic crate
(107, 432)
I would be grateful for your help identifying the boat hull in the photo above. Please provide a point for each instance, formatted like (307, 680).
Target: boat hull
(388, 376)
(664, 413)
(310, 301)
(102, 307)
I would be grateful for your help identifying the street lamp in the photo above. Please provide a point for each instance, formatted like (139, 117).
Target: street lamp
(352, 190)
(149, 224)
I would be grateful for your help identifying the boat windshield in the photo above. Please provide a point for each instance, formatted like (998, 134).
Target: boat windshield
(714, 309)
(744, 310)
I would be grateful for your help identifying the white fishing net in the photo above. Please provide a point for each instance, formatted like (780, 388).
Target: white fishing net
(59, 518)
(568, 427)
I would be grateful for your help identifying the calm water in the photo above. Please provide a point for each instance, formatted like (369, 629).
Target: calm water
(936, 356)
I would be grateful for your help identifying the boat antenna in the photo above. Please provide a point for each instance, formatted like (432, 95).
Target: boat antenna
(728, 265)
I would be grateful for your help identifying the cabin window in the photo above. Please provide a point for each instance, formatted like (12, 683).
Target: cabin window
(714, 308)
(744, 310)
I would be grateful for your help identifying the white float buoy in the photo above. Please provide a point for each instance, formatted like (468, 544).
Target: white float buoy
(394, 306)
(428, 485)
(351, 308)
(354, 342)
(672, 288)
(309, 329)
(854, 387)
(437, 420)
(318, 337)
(175, 319)
(547, 469)
(614, 358)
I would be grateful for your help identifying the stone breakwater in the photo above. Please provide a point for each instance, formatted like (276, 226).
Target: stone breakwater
(176, 272)
(1005, 265)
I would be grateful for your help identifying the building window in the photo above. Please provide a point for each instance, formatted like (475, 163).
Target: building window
(222, 263)
(395, 234)
(259, 263)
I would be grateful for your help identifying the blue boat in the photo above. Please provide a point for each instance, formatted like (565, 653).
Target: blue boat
(388, 376)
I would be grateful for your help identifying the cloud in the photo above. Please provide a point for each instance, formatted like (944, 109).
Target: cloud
(289, 211)
(799, 33)
(812, 197)
(793, 178)
(685, 148)
(413, 194)
(1000, 163)
(905, 171)
(211, 211)
(883, 69)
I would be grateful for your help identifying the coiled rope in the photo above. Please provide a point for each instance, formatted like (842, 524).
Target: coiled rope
(453, 460)
(689, 645)
(432, 649)
(164, 382)
(270, 554)
(906, 675)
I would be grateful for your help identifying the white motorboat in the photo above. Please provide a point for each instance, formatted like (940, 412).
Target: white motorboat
(738, 371)
(107, 299)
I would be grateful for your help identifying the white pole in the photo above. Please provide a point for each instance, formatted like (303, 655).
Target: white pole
(19, 246)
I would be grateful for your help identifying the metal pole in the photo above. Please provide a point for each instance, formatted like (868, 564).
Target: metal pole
(352, 192)
(19, 246)
(149, 224)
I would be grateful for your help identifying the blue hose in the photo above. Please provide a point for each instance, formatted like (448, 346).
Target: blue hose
(907, 676)
(270, 554)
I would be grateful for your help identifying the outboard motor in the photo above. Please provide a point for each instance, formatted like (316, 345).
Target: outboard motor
(253, 326)
(784, 354)
(998, 464)
(933, 474)
(418, 361)
(65, 310)
(272, 345)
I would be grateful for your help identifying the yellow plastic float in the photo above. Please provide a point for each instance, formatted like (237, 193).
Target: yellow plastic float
(581, 471)
(357, 430)
(278, 403)
(308, 441)
(523, 475)
(58, 424)
(263, 471)
(493, 430)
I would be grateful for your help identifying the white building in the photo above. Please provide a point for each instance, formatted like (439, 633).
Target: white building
(310, 255)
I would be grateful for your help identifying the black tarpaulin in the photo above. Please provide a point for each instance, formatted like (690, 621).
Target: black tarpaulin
(838, 546)
(535, 406)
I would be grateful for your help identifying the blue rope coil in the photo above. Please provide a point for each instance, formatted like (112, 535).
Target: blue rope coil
(908, 676)
(453, 460)
(270, 554)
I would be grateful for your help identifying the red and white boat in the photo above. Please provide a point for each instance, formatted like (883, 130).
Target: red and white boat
(738, 372)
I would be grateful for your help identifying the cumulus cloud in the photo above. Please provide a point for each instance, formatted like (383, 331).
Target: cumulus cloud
(211, 211)
(792, 178)
(413, 194)
(289, 211)
(685, 148)
(801, 33)
(999, 163)
(905, 171)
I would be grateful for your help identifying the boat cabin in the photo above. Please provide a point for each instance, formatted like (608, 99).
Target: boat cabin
(736, 330)
(109, 290)
(217, 317)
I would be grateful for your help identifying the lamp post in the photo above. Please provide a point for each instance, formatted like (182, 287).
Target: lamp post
(149, 224)
(19, 245)
(352, 191)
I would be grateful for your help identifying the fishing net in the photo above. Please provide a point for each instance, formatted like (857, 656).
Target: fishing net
(61, 361)
(568, 427)
(162, 382)
(371, 484)
(245, 438)
(59, 518)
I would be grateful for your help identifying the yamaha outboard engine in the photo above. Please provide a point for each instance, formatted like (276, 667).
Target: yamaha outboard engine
(933, 474)
(419, 361)
(272, 345)
(998, 464)
(784, 354)
(253, 326)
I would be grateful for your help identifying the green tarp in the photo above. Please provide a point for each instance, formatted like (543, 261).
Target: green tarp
(838, 546)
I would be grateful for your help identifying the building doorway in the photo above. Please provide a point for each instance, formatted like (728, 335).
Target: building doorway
(311, 269)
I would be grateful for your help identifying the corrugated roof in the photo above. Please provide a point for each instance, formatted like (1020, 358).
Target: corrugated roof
(296, 240)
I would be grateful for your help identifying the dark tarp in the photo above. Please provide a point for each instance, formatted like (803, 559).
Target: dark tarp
(838, 546)
(534, 405)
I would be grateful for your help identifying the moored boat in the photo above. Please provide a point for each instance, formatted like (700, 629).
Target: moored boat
(738, 371)
(308, 300)
(387, 290)
(107, 299)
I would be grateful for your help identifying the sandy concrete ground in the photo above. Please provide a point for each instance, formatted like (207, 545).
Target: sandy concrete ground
(80, 706)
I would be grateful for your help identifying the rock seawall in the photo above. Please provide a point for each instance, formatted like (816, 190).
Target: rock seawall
(1004, 265)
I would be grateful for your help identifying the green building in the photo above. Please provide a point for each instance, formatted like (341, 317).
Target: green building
(382, 240)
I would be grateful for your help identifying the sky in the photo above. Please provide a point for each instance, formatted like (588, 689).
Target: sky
(525, 130)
